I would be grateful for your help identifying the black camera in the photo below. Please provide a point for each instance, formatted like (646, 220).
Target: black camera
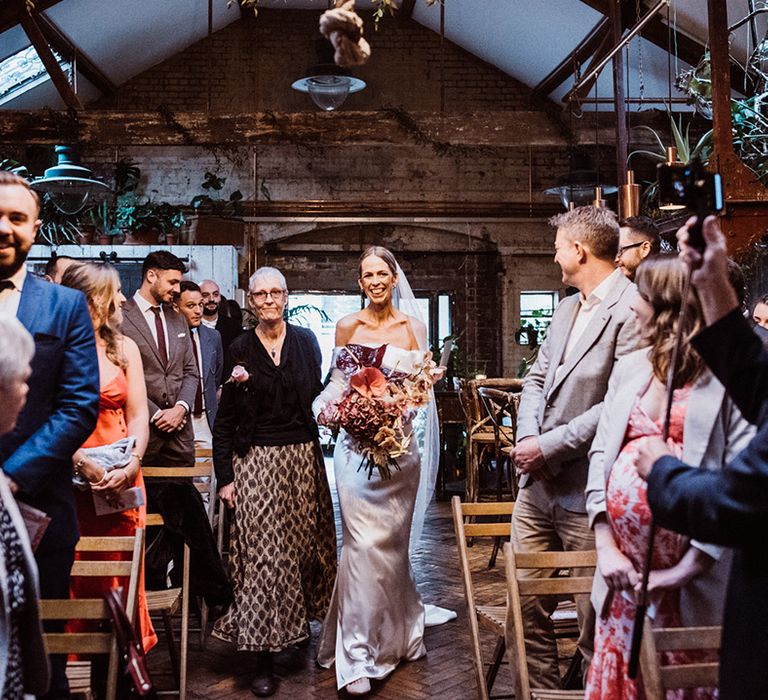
(690, 186)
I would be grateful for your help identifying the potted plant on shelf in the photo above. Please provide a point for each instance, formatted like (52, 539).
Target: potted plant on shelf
(216, 219)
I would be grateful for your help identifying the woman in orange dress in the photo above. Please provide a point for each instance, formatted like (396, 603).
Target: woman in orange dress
(123, 412)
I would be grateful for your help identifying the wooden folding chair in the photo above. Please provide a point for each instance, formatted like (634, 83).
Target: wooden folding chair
(520, 586)
(168, 602)
(492, 617)
(658, 678)
(79, 672)
(207, 487)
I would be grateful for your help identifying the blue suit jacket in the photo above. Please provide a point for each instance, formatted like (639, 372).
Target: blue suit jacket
(213, 364)
(61, 409)
(730, 506)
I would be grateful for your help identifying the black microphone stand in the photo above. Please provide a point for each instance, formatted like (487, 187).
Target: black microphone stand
(642, 598)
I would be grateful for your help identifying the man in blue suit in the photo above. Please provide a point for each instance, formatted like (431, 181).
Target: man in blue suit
(63, 399)
(210, 361)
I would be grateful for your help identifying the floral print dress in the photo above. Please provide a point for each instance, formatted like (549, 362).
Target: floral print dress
(630, 520)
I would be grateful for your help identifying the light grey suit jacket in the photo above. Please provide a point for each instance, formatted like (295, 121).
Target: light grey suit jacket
(166, 385)
(213, 365)
(714, 432)
(562, 408)
(36, 670)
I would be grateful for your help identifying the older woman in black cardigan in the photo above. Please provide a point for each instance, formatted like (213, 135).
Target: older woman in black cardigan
(270, 471)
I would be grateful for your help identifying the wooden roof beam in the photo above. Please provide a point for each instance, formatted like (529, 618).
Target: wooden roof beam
(656, 31)
(56, 74)
(581, 53)
(12, 11)
(61, 43)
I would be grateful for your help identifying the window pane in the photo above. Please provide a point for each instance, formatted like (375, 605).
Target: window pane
(443, 318)
(536, 310)
(302, 307)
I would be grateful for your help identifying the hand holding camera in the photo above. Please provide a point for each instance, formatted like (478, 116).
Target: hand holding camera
(709, 267)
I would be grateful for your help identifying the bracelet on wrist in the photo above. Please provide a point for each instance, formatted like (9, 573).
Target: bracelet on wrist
(79, 465)
(138, 457)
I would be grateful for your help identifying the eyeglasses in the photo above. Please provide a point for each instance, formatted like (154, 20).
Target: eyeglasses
(261, 297)
(623, 249)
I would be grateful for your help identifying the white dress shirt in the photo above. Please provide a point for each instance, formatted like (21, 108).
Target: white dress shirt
(10, 298)
(587, 310)
(203, 437)
(149, 316)
(210, 324)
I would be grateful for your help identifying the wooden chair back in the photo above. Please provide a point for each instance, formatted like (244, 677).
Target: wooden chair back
(658, 678)
(170, 601)
(96, 608)
(521, 585)
(491, 616)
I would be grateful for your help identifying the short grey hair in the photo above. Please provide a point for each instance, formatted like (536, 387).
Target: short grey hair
(16, 350)
(264, 272)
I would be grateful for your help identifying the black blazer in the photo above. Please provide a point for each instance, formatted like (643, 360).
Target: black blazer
(61, 409)
(232, 432)
(730, 507)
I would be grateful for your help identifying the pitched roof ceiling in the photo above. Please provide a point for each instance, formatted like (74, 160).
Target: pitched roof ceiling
(526, 40)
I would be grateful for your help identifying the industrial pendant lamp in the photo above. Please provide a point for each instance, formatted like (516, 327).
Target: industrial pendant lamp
(629, 197)
(578, 186)
(68, 185)
(326, 83)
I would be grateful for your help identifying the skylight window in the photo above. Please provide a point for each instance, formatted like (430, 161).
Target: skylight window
(22, 71)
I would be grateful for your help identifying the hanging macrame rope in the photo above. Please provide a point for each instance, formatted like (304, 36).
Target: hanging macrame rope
(343, 27)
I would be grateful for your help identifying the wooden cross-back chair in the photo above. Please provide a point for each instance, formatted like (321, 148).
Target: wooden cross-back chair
(491, 616)
(96, 609)
(521, 585)
(483, 437)
(699, 672)
(171, 601)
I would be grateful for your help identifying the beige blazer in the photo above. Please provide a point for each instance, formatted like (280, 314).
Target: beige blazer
(34, 655)
(562, 408)
(166, 385)
(714, 432)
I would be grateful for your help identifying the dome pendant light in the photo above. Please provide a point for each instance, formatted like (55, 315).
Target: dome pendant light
(69, 185)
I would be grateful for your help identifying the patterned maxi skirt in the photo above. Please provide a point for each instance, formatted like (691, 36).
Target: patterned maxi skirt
(282, 548)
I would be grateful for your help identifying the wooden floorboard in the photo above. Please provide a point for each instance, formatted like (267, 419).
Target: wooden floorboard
(446, 672)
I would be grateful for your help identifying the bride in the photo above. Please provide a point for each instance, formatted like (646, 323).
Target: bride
(376, 617)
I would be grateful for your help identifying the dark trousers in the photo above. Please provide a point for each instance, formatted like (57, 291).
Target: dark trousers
(54, 567)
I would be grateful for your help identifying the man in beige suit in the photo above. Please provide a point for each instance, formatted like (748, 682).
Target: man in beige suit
(170, 369)
(559, 410)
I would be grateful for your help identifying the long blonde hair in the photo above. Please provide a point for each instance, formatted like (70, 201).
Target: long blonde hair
(100, 284)
(661, 281)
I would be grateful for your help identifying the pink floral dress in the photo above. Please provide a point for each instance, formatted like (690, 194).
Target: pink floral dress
(630, 520)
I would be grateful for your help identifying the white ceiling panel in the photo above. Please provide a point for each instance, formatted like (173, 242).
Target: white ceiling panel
(127, 37)
(12, 41)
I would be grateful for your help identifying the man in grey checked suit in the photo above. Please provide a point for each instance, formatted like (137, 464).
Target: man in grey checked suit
(209, 356)
(170, 369)
(559, 409)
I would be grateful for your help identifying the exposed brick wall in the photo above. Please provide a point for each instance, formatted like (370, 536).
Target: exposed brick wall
(249, 66)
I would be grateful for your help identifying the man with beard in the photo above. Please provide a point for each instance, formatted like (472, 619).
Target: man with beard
(63, 399)
(228, 327)
(170, 369)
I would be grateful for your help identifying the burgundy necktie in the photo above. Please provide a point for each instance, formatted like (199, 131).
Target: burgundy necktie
(161, 346)
(197, 410)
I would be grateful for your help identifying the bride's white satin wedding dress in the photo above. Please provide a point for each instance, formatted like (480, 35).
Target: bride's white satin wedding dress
(376, 617)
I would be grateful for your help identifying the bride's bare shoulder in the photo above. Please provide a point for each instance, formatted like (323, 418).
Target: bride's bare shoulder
(345, 328)
(419, 330)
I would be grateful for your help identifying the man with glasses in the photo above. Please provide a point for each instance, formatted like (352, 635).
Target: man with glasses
(638, 238)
